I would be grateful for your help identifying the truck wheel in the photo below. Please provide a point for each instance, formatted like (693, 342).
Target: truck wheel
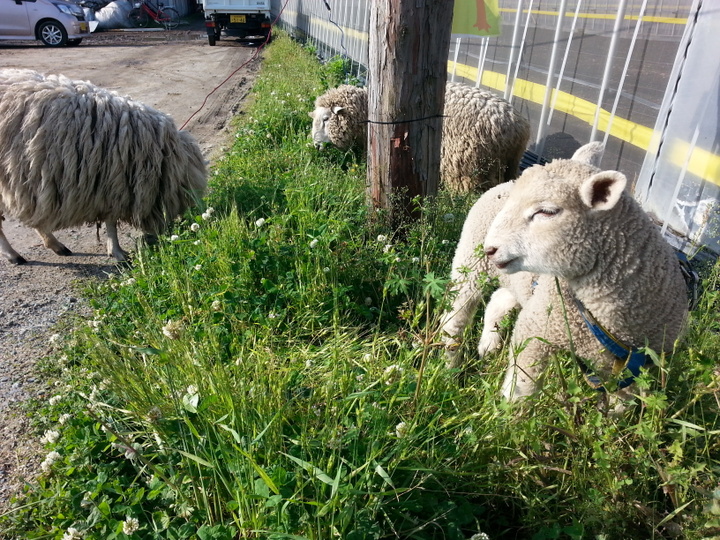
(211, 40)
(52, 34)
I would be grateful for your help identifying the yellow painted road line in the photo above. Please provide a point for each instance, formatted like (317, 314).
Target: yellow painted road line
(702, 163)
(604, 16)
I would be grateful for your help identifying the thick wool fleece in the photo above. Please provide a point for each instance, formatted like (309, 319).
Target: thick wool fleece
(483, 141)
(569, 220)
(71, 153)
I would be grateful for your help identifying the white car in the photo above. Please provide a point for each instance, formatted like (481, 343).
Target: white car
(54, 22)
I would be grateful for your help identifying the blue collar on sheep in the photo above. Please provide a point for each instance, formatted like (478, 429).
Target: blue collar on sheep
(627, 357)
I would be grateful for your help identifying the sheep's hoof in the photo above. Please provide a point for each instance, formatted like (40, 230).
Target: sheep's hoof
(18, 260)
(63, 251)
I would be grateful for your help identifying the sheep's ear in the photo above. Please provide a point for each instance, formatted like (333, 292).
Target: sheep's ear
(338, 110)
(603, 190)
(590, 154)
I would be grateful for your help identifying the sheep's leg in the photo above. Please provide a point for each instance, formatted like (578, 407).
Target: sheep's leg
(501, 303)
(524, 370)
(53, 243)
(7, 250)
(113, 244)
(454, 321)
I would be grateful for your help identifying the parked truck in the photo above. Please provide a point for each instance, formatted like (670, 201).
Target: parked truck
(244, 19)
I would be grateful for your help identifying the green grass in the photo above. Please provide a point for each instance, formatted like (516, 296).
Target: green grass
(272, 370)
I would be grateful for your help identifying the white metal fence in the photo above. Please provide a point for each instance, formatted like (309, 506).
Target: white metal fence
(583, 70)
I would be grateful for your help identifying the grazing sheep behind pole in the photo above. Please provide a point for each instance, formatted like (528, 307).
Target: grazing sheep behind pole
(74, 153)
(483, 141)
(577, 254)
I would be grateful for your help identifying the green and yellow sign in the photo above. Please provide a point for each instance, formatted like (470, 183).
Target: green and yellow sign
(476, 18)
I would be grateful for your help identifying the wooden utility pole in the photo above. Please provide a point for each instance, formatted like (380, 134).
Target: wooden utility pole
(409, 45)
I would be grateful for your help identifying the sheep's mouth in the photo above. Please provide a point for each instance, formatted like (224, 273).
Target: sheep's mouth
(503, 265)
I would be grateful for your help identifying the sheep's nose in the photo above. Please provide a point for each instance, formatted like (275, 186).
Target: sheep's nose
(490, 251)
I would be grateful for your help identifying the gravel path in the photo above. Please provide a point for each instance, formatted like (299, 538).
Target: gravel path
(171, 71)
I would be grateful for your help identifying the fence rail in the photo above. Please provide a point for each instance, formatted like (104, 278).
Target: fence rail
(579, 70)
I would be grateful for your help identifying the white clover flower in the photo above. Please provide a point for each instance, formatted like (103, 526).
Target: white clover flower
(393, 373)
(382, 238)
(50, 460)
(210, 211)
(326, 270)
(195, 227)
(206, 216)
(64, 418)
(272, 315)
(95, 324)
(260, 222)
(401, 430)
(398, 259)
(367, 357)
(174, 237)
(155, 414)
(196, 243)
(192, 389)
(50, 436)
(54, 338)
(480, 536)
(94, 394)
(449, 218)
(198, 267)
(314, 243)
(130, 525)
(387, 248)
(185, 511)
(72, 534)
(216, 305)
(55, 400)
(445, 242)
(131, 452)
(172, 329)
(130, 281)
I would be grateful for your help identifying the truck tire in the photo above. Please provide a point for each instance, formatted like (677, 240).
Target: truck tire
(211, 40)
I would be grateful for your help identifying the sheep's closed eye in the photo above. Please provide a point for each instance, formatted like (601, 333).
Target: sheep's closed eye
(545, 213)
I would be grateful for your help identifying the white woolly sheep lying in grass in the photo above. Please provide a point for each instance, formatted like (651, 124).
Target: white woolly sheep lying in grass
(483, 137)
(567, 220)
(73, 153)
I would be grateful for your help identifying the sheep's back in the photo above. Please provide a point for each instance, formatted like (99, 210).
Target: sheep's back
(71, 152)
(482, 136)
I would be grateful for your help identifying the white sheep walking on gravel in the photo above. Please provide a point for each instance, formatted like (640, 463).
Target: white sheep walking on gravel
(571, 221)
(74, 153)
(483, 137)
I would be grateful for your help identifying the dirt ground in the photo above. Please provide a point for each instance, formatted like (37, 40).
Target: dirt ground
(173, 71)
